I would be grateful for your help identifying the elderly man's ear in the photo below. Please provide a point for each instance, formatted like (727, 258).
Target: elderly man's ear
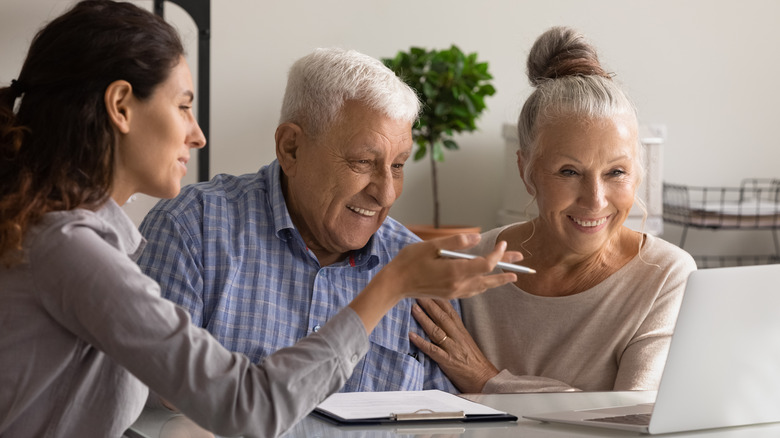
(289, 138)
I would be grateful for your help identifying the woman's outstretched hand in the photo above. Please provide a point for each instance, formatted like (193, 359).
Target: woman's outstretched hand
(419, 272)
(422, 273)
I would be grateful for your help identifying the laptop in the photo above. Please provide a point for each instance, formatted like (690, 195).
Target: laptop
(723, 366)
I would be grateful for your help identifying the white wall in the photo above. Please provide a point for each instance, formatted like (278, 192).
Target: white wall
(705, 69)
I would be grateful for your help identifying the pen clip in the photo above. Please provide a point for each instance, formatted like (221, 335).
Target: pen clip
(427, 414)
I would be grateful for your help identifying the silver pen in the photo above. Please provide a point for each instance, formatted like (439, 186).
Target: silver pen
(502, 265)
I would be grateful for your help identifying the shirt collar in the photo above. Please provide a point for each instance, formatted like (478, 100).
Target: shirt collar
(364, 258)
(130, 240)
(283, 224)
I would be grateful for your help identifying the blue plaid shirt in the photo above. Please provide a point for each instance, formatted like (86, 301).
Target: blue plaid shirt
(228, 252)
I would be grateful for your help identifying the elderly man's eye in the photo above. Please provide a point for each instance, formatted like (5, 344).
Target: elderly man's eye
(361, 165)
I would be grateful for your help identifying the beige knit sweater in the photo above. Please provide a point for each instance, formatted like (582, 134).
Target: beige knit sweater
(614, 336)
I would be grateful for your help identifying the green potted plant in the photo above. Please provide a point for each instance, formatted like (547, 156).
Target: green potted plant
(452, 86)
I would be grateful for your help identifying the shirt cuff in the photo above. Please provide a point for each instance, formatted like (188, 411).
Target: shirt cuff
(346, 334)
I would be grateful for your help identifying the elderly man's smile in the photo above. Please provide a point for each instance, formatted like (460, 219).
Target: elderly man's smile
(362, 211)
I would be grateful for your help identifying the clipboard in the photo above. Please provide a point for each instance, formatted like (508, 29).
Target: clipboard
(404, 407)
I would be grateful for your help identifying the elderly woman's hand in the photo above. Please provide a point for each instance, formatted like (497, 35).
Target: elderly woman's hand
(455, 350)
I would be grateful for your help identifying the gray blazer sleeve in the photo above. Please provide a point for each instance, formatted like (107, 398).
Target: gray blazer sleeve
(101, 295)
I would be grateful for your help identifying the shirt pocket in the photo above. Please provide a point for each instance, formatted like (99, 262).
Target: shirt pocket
(383, 369)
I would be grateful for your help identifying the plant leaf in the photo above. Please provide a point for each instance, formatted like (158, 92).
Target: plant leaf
(452, 87)
(438, 152)
(450, 144)
(420, 153)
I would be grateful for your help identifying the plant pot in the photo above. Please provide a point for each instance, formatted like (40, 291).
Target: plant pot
(428, 232)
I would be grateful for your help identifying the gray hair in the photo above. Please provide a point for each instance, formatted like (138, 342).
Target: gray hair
(570, 82)
(320, 83)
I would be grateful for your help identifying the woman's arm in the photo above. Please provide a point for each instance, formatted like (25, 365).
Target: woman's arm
(455, 350)
(418, 271)
(462, 360)
(103, 298)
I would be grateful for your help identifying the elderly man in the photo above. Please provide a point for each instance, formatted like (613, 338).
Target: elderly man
(261, 260)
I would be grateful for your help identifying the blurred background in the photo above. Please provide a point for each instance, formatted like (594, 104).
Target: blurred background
(702, 73)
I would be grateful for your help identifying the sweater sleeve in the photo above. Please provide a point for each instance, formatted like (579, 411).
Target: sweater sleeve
(642, 361)
(506, 382)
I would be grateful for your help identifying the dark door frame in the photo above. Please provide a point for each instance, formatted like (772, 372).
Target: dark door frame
(200, 11)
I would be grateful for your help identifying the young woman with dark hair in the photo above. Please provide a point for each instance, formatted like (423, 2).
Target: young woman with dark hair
(102, 109)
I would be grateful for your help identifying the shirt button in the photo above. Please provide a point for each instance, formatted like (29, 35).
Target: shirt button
(316, 328)
(355, 358)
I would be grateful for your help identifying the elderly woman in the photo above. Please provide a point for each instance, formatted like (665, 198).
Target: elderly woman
(600, 312)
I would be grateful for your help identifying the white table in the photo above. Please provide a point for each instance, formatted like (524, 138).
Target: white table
(150, 423)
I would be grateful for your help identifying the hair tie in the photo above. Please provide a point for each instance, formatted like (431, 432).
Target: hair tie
(18, 87)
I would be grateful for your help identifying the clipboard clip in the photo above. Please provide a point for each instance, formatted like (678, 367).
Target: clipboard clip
(427, 414)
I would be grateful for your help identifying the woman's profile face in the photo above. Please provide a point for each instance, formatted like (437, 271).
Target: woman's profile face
(152, 156)
(586, 176)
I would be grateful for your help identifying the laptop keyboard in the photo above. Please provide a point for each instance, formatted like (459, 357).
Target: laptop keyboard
(637, 419)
